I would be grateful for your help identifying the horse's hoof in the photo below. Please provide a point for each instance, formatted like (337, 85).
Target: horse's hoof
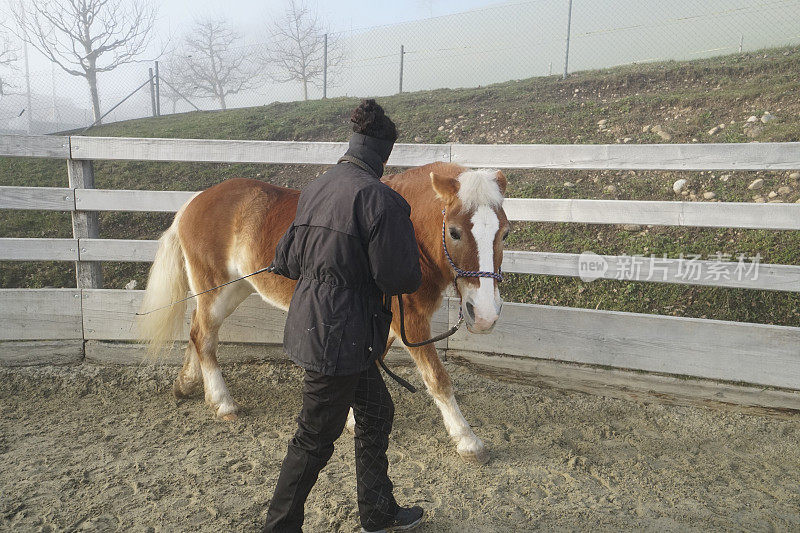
(179, 393)
(228, 411)
(472, 450)
(479, 457)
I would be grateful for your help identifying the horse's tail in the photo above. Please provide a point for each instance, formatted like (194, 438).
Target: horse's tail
(167, 283)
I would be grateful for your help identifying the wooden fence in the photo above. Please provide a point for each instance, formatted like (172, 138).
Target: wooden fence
(741, 352)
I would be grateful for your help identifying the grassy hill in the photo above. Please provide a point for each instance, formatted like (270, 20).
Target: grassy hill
(654, 103)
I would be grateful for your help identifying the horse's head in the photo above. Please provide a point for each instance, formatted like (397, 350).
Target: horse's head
(475, 227)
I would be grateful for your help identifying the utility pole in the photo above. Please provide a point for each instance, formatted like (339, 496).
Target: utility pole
(158, 90)
(325, 69)
(566, 55)
(741, 42)
(53, 95)
(28, 103)
(152, 92)
(402, 53)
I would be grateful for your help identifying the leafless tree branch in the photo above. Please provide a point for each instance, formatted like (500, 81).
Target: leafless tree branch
(298, 48)
(212, 62)
(9, 54)
(86, 37)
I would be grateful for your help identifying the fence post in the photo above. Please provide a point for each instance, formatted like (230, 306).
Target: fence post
(85, 225)
(741, 43)
(325, 69)
(566, 54)
(158, 92)
(402, 53)
(152, 92)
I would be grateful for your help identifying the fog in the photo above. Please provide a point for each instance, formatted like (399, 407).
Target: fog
(487, 42)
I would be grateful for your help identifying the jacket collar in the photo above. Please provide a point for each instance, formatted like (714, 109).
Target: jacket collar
(370, 151)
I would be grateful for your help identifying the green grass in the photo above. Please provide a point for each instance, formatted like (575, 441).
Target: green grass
(686, 99)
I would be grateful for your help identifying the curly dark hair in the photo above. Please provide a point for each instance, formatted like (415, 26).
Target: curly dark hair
(369, 119)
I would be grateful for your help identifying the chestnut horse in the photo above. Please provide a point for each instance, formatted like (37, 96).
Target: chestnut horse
(232, 229)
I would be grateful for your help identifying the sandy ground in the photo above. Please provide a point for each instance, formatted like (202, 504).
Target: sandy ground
(107, 448)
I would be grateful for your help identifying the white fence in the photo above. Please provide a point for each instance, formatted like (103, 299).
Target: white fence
(741, 352)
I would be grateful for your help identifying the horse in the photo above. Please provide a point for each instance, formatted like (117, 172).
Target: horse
(232, 228)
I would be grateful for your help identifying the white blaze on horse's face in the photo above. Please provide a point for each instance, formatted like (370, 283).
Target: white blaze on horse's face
(481, 196)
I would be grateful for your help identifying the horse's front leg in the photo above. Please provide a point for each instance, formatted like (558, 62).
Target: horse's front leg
(439, 385)
(437, 380)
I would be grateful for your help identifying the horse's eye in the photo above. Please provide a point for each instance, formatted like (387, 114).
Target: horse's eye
(505, 235)
(455, 234)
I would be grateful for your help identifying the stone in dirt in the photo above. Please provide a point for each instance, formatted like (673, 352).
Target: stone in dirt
(794, 176)
(773, 194)
(756, 184)
(784, 190)
(768, 117)
(710, 195)
(631, 227)
(611, 189)
(679, 185)
(752, 119)
(664, 135)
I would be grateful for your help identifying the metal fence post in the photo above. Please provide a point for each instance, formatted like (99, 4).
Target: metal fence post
(402, 53)
(152, 92)
(85, 225)
(566, 54)
(325, 69)
(158, 92)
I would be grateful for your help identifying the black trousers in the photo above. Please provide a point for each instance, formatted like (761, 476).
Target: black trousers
(326, 403)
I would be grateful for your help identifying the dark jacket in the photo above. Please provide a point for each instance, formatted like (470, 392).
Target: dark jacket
(351, 242)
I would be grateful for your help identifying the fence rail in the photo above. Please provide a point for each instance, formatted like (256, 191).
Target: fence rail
(717, 156)
(664, 270)
(752, 353)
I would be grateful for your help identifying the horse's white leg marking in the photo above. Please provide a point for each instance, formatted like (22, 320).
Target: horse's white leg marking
(468, 444)
(486, 298)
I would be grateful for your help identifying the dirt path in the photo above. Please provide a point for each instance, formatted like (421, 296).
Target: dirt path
(106, 448)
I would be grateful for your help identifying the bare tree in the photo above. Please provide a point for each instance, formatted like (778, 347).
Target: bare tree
(8, 58)
(298, 49)
(86, 37)
(213, 62)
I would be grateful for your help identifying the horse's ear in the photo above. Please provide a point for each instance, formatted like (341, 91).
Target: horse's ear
(445, 188)
(501, 182)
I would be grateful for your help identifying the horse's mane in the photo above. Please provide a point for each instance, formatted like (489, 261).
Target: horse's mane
(476, 187)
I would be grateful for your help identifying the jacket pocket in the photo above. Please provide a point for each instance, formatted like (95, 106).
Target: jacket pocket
(381, 321)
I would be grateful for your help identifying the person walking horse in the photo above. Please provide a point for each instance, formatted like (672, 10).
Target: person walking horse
(352, 247)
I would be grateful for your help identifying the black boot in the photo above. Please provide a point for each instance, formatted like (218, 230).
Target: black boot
(406, 519)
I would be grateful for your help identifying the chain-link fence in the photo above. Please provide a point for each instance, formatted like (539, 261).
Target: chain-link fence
(515, 40)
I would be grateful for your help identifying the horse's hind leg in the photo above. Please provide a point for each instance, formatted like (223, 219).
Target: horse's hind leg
(190, 378)
(212, 309)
